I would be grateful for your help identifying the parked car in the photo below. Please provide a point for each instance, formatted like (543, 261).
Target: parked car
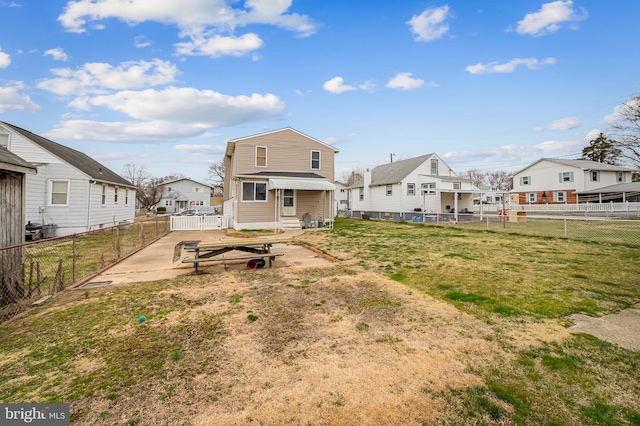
(189, 212)
(208, 211)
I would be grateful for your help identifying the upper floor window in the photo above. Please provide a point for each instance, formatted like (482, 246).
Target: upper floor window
(411, 189)
(115, 195)
(168, 202)
(59, 190)
(595, 176)
(254, 191)
(4, 140)
(525, 180)
(197, 189)
(261, 156)
(169, 189)
(619, 176)
(389, 190)
(565, 177)
(103, 199)
(434, 166)
(456, 185)
(315, 160)
(361, 197)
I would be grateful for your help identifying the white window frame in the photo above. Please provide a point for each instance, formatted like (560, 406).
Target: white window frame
(389, 190)
(254, 192)
(259, 157)
(51, 193)
(319, 160)
(531, 197)
(565, 177)
(115, 195)
(411, 189)
(197, 203)
(126, 196)
(595, 176)
(525, 180)
(103, 196)
(198, 189)
(361, 195)
(3, 138)
(168, 203)
(620, 177)
(457, 185)
(429, 188)
(434, 166)
(560, 197)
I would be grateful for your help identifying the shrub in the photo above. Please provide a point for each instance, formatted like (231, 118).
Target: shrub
(161, 209)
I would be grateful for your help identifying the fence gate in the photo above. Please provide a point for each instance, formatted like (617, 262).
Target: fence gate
(198, 223)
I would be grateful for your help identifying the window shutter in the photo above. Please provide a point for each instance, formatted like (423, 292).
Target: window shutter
(560, 177)
(571, 174)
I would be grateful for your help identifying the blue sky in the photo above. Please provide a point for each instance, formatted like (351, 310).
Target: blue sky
(492, 84)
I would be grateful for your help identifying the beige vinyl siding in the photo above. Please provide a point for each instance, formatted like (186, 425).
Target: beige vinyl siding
(287, 151)
(255, 211)
(316, 203)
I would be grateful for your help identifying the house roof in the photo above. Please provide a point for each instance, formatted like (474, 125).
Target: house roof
(77, 159)
(231, 143)
(299, 175)
(189, 179)
(581, 164)
(617, 188)
(394, 172)
(10, 161)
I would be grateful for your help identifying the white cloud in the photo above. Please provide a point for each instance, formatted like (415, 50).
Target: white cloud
(209, 24)
(141, 41)
(96, 77)
(620, 111)
(168, 115)
(58, 54)
(336, 85)
(404, 80)
(5, 59)
(12, 99)
(430, 24)
(550, 18)
(509, 67)
(200, 149)
(592, 134)
(566, 123)
(368, 86)
(513, 154)
(215, 46)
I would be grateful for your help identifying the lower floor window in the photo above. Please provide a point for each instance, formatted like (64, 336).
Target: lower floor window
(532, 197)
(197, 203)
(560, 197)
(254, 191)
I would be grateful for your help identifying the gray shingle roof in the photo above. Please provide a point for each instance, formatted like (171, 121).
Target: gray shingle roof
(9, 158)
(394, 172)
(581, 164)
(77, 159)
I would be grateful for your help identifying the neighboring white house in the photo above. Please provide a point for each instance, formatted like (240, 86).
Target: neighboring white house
(70, 190)
(182, 194)
(559, 181)
(341, 198)
(424, 183)
(489, 195)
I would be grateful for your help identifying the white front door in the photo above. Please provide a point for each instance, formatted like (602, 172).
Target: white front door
(288, 202)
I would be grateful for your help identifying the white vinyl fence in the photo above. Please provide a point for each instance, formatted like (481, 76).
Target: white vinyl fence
(198, 223)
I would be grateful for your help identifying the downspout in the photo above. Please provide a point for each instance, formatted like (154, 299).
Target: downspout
(91, 183)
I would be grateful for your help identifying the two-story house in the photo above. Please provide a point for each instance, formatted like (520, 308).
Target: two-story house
(70, 191)
(559, 181)
(424, 183)
(277, 179)
(182, 194)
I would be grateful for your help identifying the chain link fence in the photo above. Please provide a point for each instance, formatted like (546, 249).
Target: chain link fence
(30, 271)
(612, 230)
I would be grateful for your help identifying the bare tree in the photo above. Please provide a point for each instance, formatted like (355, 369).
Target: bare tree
(479, 178)
(174, 176)
(135, 174)
(352, 176)
(626, 129)
(501, 180)
(148, 188)
(216, 177)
